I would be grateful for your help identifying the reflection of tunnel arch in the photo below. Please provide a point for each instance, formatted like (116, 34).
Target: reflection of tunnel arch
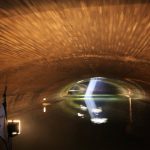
(95, 96)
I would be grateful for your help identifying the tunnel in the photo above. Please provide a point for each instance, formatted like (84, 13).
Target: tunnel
(53, 51)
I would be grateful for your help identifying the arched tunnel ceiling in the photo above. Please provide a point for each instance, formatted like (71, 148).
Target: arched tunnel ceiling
(47, 43)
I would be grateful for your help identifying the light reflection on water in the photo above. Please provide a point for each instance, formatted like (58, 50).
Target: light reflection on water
(60, 130)
(102, 100)
(119, 122)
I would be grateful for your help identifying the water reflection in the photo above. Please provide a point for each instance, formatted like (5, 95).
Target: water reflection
(121, 119)
(102, 100)
(90, 103)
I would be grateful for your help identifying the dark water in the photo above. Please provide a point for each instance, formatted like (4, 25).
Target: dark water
(127, 125)
(56, 129)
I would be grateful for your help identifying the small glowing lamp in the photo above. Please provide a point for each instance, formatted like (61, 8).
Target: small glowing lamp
(14, 127)
(44, 99)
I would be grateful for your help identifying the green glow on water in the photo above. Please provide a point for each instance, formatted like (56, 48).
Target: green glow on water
(74, 98)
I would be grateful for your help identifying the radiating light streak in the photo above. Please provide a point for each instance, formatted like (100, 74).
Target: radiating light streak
(90, 103)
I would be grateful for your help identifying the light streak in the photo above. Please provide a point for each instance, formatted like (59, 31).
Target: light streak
(90, 103)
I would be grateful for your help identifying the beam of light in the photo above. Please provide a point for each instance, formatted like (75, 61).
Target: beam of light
(19, 126)
(88, 97)
(90, 103)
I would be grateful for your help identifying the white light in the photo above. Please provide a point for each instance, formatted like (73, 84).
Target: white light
(99, 120)
(44, 99)
(14, 133)
(19, 126)
(80, 115)
(90, 103)
(44, 109)
(84, 108)
(97, 110)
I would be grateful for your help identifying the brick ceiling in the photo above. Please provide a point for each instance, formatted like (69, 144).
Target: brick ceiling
(45, 44)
